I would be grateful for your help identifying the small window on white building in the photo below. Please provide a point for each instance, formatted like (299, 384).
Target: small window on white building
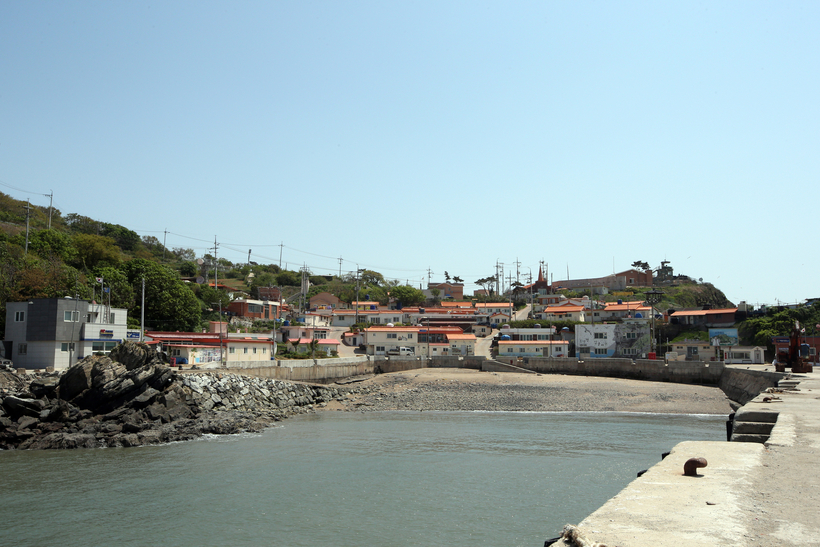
(19, 316)
(600, 351)
(22, 349)
(245, 350)
(66, 346)
(600, 335)
(71, 316)
(254, 351)
(111, 318)
(231, 349)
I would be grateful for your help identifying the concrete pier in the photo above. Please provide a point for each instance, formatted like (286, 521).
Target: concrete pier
(749, 493)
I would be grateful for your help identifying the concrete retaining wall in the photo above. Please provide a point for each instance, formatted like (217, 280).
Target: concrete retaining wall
(306, 371)
(743, 385)
(682, 372)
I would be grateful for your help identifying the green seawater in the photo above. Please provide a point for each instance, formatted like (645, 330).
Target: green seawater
(343, 479)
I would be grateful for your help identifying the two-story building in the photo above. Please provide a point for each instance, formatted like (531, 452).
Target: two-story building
(58, 332)
(424, 341)
(630, 338)
(254, 309)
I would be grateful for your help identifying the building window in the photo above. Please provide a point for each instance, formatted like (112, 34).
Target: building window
(231, 349)
(630, 351)
(521, 350)
(631, 335)
(410, 336)
(245, 350)
(111, 319)
(19, 316)
(66, 346)
(22, 349)
(254, 308)
(264, 351)
(379, 348)
(375, 320)
(105, 347)
(600, 336)
(392, 335)
(72, 316)
(600, 351)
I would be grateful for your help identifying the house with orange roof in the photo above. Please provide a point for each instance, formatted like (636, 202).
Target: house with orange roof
(451, 305)
(567, 312)
(381, 340)
(348, 318)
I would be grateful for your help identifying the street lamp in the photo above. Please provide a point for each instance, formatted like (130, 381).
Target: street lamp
(653, 297)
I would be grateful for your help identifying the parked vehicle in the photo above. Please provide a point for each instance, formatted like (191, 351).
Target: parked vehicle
(6, 364)
(402, 351)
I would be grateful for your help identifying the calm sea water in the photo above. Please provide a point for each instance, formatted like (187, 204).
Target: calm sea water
(343, 479)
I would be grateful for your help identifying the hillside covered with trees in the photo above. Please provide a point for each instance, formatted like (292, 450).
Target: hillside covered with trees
(66, 254)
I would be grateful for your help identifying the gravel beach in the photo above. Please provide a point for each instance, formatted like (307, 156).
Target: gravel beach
(464, 390)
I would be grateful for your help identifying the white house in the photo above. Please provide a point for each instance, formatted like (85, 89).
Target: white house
(533, 348)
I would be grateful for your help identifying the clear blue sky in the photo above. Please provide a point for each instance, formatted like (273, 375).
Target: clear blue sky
(402, 136)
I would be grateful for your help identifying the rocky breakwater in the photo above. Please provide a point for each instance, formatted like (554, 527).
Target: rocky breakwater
(132, 398)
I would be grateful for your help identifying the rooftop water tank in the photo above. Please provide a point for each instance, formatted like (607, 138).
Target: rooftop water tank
(287, 323)
(638, 315)
(620, 301)
(505, 337)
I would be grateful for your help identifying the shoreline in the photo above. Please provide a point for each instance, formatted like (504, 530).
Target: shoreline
(469, 390)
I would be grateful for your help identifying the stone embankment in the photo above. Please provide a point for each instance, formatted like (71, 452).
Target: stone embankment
(132, 398)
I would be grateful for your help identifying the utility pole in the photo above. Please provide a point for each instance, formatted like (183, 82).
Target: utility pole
(249, 256)
(280, 254)
(28, 214)
(517, 264)
(358, 271)
(216, 265)
(164, 237)
(50, 202)
(340, 267)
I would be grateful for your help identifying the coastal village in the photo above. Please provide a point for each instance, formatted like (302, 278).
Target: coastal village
(55, 333)
(246, 348)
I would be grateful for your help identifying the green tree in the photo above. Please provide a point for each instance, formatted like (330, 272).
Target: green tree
(407, 295)
(287, 278)
(187, 269)
(169, 303)
(95, 251)
(369, 277)
(48, 243)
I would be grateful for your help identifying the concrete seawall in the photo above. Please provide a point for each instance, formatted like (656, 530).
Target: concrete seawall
(738, 383)
(748, 494)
